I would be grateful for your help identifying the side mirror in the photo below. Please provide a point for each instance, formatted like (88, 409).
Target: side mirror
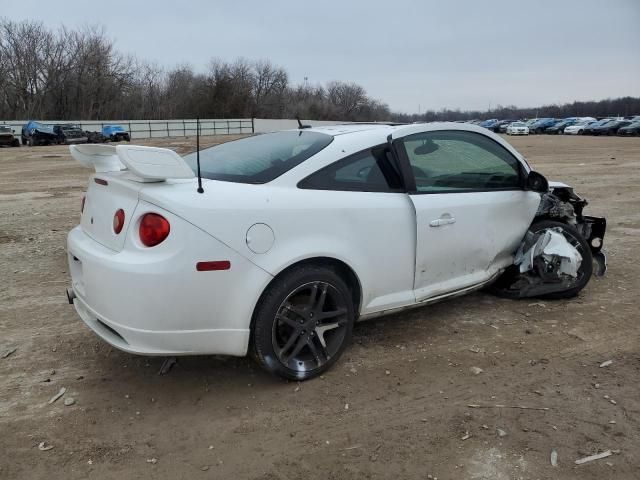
(536, 182)
(13, 131)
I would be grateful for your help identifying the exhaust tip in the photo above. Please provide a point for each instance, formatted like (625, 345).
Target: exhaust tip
(70, 295)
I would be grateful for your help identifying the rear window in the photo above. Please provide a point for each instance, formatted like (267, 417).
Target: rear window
(258, 159)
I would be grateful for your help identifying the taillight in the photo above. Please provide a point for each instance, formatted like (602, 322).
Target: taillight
(118, 221)
(84, 198)
(154, 229)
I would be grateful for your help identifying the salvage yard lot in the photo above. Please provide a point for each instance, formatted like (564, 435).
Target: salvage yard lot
(395, 404)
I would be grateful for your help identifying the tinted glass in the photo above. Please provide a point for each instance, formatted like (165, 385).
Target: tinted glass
(5, 129)
(367, 171)
(258, 159)
(451, 161)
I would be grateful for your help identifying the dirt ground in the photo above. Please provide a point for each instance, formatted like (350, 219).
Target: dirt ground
(396, 404)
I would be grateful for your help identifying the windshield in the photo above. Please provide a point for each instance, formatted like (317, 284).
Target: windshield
(5, 129)
(518, 124)
(258, 159)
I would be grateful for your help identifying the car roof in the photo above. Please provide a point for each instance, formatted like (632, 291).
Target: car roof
(352, 138)
(347, 128)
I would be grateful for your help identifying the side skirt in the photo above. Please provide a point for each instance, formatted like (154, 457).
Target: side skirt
(431, 300)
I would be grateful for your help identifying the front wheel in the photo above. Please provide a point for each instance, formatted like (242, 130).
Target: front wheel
(303, 323)
(513, 284)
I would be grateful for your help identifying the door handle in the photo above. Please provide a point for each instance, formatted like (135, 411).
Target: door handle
(444, 220)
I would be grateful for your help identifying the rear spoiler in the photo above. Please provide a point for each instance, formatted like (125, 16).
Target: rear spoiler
(147, 164)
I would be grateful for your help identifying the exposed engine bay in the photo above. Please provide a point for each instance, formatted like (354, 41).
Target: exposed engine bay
(559, 252)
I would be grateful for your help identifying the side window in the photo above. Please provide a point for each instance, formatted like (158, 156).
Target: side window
(366, 171)
(458, 161)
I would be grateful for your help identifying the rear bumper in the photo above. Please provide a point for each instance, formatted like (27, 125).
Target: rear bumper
(157, 342)
(153, 301)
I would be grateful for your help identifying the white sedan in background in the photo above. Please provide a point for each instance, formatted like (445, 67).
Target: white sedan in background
(517, 128)
(579, 127)
(295, 235)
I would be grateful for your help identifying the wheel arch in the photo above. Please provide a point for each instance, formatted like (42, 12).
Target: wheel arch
(346, 272)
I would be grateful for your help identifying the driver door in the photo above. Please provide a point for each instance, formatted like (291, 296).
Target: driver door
(470, 205)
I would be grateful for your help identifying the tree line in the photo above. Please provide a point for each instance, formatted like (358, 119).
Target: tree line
(79, 74)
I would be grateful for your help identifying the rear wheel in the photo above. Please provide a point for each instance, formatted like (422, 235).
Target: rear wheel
(303, 323)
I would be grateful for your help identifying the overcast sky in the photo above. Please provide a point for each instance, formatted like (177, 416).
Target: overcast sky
(459, 54)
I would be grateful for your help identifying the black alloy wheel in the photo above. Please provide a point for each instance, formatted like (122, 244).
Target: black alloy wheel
(303, 323)
(310, 326)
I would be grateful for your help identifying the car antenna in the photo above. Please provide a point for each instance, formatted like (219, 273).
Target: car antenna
(300, 125)
(200, 189)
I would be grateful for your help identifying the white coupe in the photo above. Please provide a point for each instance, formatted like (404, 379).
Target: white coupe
(295, 235)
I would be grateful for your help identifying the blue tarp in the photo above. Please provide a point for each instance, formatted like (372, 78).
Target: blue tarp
(31, 126)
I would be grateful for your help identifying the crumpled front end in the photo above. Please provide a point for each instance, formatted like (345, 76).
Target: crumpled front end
(563, 204)
(560, 251)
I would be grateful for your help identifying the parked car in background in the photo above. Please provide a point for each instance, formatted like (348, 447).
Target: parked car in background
(95, 137)
(558, 128)
(69, 134)
(7, 138)
(489, 123)
(36, 133)
(517, 128)
(593, 125)
(501, 126)
(611, 127)
(578, 128)
(630, 130)
(542, 123)
(115, 133)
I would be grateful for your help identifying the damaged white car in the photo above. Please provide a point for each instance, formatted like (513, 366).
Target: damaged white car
(275, 244)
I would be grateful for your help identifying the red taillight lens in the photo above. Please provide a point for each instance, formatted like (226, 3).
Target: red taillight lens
(154, 229)
(118, 221)
(84, 198)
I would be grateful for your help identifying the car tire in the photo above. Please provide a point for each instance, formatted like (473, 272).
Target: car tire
(586, 266)
(580, 132)
(500, 286)
(15, 143)
(302, 323)
(31, 142)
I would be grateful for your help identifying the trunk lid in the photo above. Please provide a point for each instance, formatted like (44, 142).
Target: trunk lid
(106, 194)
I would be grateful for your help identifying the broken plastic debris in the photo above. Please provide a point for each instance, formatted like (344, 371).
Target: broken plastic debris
(551, 243)
(57, 395)
(606, 364)
(591, 458)
(476, 370)
(167, 365)
(554, 457)
(43, 447)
